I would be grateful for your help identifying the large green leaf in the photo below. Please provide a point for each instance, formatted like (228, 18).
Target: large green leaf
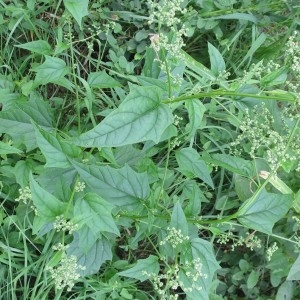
(266, 209)
(102, 80)
(120, 187)
(16, 121)
(201, 250)
(39, 46)
(140, 117)
(95, 212)
(78, 9)
(149, 265)
(46, 204)
(98, 253)
(52, 70)
(191, 165)
(56, 152)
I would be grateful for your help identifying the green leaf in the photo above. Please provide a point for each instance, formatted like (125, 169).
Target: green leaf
(191, 165)
(94, 258)
(196, 111)
(233, 164)
(47, 205)
(217, 63)
(52, 70)
(78, 9)
(266, 209)
(56, 152)
(94, 212)
(102, 80)
(294, 273)
(252, 279)
(16, 121)
(286, 291)
(178, 220)
(149, 265)
(121, 187)
(194, 196)
(140, 117)
(7, 149)
(202, 250)
(39, 46)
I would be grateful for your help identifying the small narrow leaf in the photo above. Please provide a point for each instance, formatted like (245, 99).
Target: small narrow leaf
(143, 267)
(178, 220)
(217, 63)
(196, 111)
(264, 211)
(140, 117)
(191, 165)
(78, 9)
(47, 205)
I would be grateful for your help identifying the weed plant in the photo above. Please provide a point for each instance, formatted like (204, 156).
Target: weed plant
(149, 149)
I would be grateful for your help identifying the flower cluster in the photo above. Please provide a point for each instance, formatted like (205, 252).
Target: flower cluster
(251, 241)
(164, 284)
(79, 186)
(270, 251)
(257, 130)
(194, 272)
(164, 11)
(25, 195)
(61, 224)
(174, 237)
(66, 274)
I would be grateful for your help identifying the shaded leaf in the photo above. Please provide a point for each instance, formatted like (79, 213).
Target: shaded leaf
(47, 205)
(191, 165)
(149, 265)
(16, 121)
(294, 273)
(94, 258)
(7, 149)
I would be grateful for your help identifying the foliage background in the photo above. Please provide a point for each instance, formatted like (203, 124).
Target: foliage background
(149, 149)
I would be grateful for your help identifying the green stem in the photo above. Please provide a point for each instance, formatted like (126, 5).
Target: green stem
(218, 93)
